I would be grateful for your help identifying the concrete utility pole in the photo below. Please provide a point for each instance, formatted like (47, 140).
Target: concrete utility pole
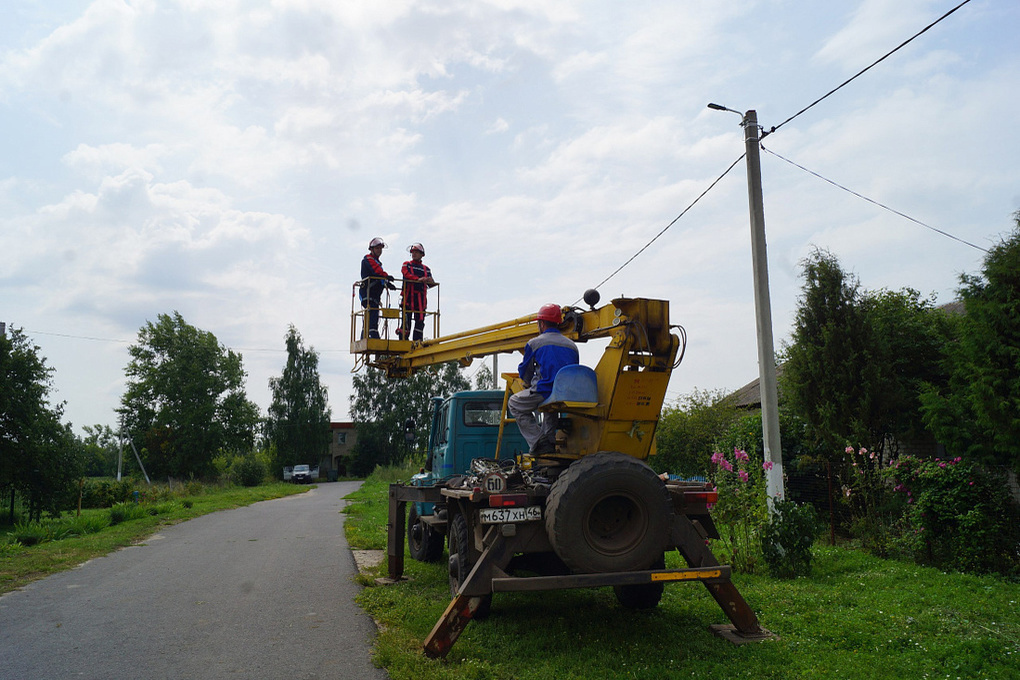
(763, 310)
(763, 315)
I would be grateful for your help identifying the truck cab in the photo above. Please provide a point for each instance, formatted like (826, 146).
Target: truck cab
(465, 426)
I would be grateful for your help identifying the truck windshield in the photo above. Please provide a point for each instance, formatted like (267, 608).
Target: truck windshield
(481, 413)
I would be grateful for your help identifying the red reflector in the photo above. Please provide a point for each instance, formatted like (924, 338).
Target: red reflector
(507, 500)
(702, 496)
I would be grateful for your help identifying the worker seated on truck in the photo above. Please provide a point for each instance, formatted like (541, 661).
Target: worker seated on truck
(544, 355)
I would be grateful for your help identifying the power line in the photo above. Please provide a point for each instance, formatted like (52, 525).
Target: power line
(128, 342)
(874, 202)
(666, 228)
(868, 68)
(78, 337)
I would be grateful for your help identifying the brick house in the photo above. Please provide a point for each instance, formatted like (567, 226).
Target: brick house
(342, 439)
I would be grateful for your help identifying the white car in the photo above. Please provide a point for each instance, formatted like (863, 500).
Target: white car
(302, 474)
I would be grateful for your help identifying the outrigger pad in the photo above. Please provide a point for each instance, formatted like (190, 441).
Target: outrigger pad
(727, 631)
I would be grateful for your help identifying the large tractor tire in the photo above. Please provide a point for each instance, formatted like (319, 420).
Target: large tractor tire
(423, 542)
(462, 560)
(608, 512)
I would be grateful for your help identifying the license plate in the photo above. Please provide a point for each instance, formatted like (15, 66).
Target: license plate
(531, 513)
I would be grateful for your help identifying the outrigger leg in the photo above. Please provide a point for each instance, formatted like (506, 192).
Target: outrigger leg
(465, 603)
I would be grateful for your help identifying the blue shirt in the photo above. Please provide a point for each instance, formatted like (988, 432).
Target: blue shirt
(544, 355)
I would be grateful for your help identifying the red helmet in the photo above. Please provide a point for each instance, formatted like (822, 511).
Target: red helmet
(376, 242)
(416, 246)
(551, 313)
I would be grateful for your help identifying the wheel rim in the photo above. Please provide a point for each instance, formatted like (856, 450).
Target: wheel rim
(416, 535)
(615, 524)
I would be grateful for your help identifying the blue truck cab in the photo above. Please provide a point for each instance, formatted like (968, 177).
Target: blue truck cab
(464, 426)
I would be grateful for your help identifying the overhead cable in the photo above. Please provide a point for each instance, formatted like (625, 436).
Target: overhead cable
(868, 68)
(666, 228)
(872, 201)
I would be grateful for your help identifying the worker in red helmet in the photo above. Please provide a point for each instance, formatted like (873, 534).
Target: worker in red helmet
(544, 356)
(373, 280)
(417, 280)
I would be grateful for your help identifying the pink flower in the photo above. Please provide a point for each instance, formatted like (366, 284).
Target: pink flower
(849, 449)
(740, 454)
(863, 450)
(767, 465)
(726, 465)
(743, 475)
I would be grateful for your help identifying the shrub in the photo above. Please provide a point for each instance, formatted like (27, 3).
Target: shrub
(867, 506)
(248, 470)
(787, 537)
(31, 533)
(124, 512)
(958, 515)
(10, 546)
(98, 492)
(87, 524)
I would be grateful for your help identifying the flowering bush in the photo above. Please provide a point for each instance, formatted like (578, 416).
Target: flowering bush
(957, 515)
(867, 508)
(741, 511)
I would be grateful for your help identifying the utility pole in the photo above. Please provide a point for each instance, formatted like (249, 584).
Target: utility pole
(773, 454)
(763, 315)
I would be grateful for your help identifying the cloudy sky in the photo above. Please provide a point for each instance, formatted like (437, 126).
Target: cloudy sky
(231, 160)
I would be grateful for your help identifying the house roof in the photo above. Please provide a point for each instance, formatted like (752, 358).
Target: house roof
(749, 396)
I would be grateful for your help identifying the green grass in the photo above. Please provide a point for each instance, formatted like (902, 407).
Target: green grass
(20, 565)
(856, 616)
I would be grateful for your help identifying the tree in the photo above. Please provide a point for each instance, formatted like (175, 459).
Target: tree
(185, 398)
(381, 408)
(859, 359)
(826, 363)
(688, 431)
(484, 379)
(907, 338)
(298, 419)
(976, 412)
(101, 446)
(39, 457)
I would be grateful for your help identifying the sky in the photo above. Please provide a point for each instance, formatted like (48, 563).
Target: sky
(230, 160)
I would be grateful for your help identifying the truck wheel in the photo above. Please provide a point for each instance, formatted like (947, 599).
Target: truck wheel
(461, 563)
(644, 596)
(608, 512)
(424, 544)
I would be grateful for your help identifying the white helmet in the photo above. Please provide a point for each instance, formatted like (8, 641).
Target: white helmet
(416, 246)
(376, 242)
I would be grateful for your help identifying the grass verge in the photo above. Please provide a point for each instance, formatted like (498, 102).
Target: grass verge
(855, 616)
(22, 565)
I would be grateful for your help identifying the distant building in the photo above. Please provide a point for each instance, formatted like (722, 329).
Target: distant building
(342, 439)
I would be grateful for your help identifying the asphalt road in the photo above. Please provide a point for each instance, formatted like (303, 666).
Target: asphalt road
(258, 592)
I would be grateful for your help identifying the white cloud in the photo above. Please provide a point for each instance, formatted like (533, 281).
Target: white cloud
(232, 161)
